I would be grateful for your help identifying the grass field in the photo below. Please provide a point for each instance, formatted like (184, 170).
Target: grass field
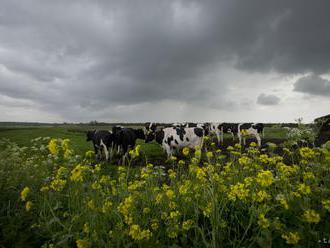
(76, 133)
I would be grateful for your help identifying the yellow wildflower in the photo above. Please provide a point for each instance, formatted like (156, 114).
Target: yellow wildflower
(308, 176)
(107, 206)
(244, 161)
(181, 163)
(304, 189)
(82, 243)
(58, 184)
(171, 174)
(198, 154)
(263, 222)
(52, 147)
(185, 151)
(200, 174)
(137, 233)
(170, 194)
(291, 238)
(326, 204)
(77, 173)
(91, 204)
(24, 193)
(311, 216)
(265, 178)
(209, 155)
(261, 196)
(28, 205)
(154, 224)
(238, 191)
(306, 153)
(186, 225)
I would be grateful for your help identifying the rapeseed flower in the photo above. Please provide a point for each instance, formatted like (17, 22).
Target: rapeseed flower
(265, 178)
(291, 238)
(326, 204)
(186, 225)
(82, 243)
(263, 222)
(238, 191)
(306, 153)
(52, 146)
(185, 151)
(304, 189)
(28, 205)
(170, 194)
(107, 206)
(261, 196)
(311, 216)
(24, 193)
(58, 184)
(137, 233)
(209, 155)
(244, 161)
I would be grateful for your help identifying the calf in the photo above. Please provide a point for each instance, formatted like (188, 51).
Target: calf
(248, 129)
(173, 138)
(102, 140)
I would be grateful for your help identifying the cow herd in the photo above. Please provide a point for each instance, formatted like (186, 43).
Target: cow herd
(172, 137)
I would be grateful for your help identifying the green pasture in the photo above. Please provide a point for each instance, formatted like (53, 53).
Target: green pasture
(76, 133)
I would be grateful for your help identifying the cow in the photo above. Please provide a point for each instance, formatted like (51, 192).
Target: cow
(102, 140)
(125, 138)
(217, 129)
(249, 129)
(174, 138)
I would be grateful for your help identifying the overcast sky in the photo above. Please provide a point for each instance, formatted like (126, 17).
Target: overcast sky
(164, 60)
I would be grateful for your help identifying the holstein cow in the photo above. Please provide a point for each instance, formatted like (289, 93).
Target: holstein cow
(125, 138)
(217, 129)
(174, 138)
(102, 140)
(247, 129)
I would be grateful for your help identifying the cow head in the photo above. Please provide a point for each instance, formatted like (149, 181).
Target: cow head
(149, 137)
(90, 135)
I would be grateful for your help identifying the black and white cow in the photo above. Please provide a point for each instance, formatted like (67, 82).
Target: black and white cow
(174, 138)
(250, 129)
(217, 129)
(125, 139)
(102, 141)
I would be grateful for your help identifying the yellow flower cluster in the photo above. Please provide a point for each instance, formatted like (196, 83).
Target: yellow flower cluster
(238, 191)
(24, 193)
(52, 146)
(263, 222)
(291, 238)
(311, 216)
(137, 233)
(265, 178)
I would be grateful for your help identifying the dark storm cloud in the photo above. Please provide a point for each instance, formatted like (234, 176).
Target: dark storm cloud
(313, 85)
(90, 55)
(264, 99)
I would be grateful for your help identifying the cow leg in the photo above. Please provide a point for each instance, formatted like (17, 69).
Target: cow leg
(258, 139)
(218, 137)
(239, 138)
(105, 150)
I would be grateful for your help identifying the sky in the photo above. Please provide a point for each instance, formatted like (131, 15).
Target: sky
(165, 61)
